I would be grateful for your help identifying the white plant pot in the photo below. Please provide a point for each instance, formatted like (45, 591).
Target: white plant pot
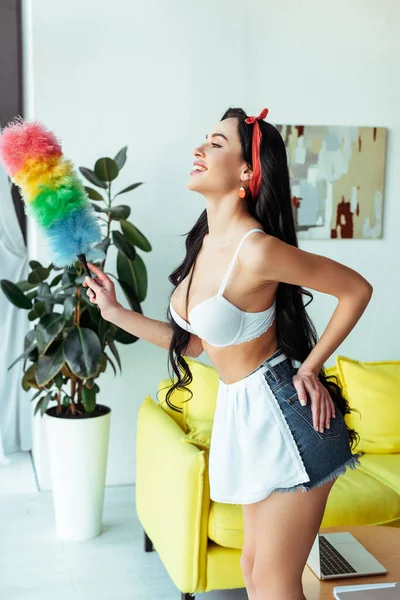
(78, 450)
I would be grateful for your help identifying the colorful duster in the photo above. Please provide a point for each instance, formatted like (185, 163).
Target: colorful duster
(52, 192)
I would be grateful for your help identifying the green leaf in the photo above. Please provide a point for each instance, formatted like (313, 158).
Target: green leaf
(56, 280)
(111, 331)
(141, 272)
(61, 294)
(80, 279)
(37, 407)
(120, 157)
(85, 298)
(97, 208)
(39, 309)
(38, 275)
(47, 330)
(124, 245)
(94, 313)
(20, 357)
(115, 352)
(131, 297)
(32, 295)
(15, 295)
(92, 177)
(61, 297)
(103, 363)
(68, 276)
(124, 337)
(129, 188)
(135, 236)
(104, 244)
(49, 366)
(59, 380)
(102, 329)
(122, 211)
(134, 273)
(29, 345)
(25, 286)
(89, 383)
(93, 194)
(69, 307)
(30, 342)
(44, 291)
(89, 398)
(106, 169)
(82, 350)
(127, 272)
(34, 264)
(112, 364)
(29, 379)
(43, 403)
(36, 395)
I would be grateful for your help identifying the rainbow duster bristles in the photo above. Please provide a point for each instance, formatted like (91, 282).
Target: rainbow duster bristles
(52, 192)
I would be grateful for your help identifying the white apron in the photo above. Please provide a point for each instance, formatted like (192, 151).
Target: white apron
(252, 450)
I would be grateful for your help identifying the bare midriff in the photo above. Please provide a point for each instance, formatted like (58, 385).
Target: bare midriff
(237, 361)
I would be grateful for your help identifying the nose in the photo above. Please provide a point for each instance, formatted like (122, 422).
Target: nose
(199, 151)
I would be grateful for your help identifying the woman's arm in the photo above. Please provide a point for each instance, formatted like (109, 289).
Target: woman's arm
(275, 260)
(102, 292)
(153, 331)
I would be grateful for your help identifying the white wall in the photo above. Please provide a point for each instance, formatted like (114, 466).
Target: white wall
(156, 75)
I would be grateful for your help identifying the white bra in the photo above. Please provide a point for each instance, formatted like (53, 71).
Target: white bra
(219, 322)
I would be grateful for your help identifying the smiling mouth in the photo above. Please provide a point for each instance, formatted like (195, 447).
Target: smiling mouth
(197, 171)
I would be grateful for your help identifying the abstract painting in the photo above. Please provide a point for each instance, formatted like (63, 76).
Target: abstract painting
(337, 179)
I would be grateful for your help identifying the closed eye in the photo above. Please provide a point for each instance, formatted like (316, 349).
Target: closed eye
(214, 144)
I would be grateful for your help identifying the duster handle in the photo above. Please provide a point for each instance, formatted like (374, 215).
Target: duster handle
(82, 259)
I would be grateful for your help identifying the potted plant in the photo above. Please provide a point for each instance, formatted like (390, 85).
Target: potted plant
(68, 348)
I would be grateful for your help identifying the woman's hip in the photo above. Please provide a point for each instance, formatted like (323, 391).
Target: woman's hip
(254, 407)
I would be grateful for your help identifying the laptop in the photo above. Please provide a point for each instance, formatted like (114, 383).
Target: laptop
(374, 591)
(339, 554)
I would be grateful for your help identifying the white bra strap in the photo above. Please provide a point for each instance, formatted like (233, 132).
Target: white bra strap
(230, 267)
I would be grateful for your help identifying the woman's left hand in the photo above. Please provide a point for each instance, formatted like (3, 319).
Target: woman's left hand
(322, 405)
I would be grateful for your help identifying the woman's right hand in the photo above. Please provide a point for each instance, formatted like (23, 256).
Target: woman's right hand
(101, 291)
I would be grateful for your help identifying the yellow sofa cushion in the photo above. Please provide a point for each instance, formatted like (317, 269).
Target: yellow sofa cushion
(177, 398)
(197, 414)
(374, 389)
(360, 498)
(205, 388)
(199, 433)
(332, 371)
(385, 468)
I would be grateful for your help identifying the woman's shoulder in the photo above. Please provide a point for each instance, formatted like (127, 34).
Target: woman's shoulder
(255, 251)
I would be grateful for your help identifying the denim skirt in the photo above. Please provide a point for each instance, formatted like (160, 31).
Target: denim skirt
(263, 440)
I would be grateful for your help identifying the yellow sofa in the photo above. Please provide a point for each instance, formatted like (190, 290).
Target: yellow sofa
(199, 541)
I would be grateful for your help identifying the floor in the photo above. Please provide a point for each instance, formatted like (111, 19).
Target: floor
(36, 565)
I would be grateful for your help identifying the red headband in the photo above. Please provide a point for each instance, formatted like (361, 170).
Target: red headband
(255, 181)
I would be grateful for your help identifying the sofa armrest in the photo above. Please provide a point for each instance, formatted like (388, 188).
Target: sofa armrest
(172, 495)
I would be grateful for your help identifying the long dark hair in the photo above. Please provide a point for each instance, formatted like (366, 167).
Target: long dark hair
(296, 334)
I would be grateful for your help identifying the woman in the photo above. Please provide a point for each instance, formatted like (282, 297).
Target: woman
(279, 422)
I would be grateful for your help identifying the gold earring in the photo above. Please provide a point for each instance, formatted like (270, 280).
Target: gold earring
(242, 192)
